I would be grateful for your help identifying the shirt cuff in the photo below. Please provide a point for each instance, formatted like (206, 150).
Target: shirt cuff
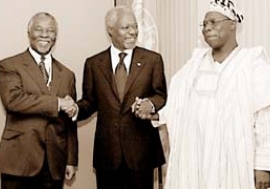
(74, 118)
(156, 123)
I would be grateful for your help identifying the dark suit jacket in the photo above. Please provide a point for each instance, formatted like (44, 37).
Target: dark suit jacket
(119, 134)
(33, 123)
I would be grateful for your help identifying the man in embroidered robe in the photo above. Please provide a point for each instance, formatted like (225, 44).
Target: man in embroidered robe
(218, 113)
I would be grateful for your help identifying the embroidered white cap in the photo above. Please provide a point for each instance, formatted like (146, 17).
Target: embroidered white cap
(227, 8)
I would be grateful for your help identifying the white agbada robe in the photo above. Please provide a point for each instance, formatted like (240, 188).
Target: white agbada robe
(211, 113)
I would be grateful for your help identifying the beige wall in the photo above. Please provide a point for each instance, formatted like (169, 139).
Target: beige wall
(81, 34)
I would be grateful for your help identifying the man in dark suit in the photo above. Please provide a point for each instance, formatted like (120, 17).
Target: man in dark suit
(39, 146)
(126, 148)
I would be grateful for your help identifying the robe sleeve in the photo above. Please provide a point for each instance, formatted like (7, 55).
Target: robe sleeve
(177, 91)
(262, 136)
(262, 108)
(261, 81)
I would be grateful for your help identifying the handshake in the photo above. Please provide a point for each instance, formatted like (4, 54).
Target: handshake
(68, 105)
(144, 109)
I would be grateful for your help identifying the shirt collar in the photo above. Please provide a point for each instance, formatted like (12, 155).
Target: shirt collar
(37, 56)
(116, 51)
(47, 61)
(115, 57)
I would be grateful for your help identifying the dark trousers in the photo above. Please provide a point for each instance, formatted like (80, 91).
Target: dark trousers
(124, 178)
(43, 180)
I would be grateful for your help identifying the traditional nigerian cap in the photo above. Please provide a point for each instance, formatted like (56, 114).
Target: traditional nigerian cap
(227, 8)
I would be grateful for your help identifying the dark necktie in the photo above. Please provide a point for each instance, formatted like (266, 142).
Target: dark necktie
(43, 69)
(121, 75)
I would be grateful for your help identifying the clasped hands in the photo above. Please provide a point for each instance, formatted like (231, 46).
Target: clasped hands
(68, 105)
(143, 109)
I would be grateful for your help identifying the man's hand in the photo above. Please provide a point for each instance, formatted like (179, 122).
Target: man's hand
(66, 102)
(143, 109)
(70, 172)
(262, 179)
(68, 105)
(136, 104)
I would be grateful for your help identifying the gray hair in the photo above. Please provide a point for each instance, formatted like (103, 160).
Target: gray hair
(44, 14)
(113, 15)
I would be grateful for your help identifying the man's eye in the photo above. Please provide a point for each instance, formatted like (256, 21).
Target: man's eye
(50, 31)
(38, 29)
(213, 22)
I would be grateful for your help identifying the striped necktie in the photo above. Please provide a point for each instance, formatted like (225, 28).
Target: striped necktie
(43, 69)
(121, 75)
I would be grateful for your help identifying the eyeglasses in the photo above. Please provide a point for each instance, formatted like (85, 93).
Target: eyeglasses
(212, 23)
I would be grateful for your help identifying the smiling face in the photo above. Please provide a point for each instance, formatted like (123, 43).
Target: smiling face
(42, 32)
(124, 31)
(218, 30)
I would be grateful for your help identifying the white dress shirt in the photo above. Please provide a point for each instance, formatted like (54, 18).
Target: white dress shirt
(47, 61)
(115, 57)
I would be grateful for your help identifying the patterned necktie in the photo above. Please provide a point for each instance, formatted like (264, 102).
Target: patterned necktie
(121, 76)
(43, 69)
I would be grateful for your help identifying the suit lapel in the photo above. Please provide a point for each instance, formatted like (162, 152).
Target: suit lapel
(34, 71)
(56, 78)
(105, 66)
(137, 64)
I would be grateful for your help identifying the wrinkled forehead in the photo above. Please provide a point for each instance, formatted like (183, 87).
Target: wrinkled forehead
(126, 17)
(44, 19)
(212, 15)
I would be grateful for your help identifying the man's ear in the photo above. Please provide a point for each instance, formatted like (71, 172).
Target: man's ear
(233, 25)
(110, 30)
